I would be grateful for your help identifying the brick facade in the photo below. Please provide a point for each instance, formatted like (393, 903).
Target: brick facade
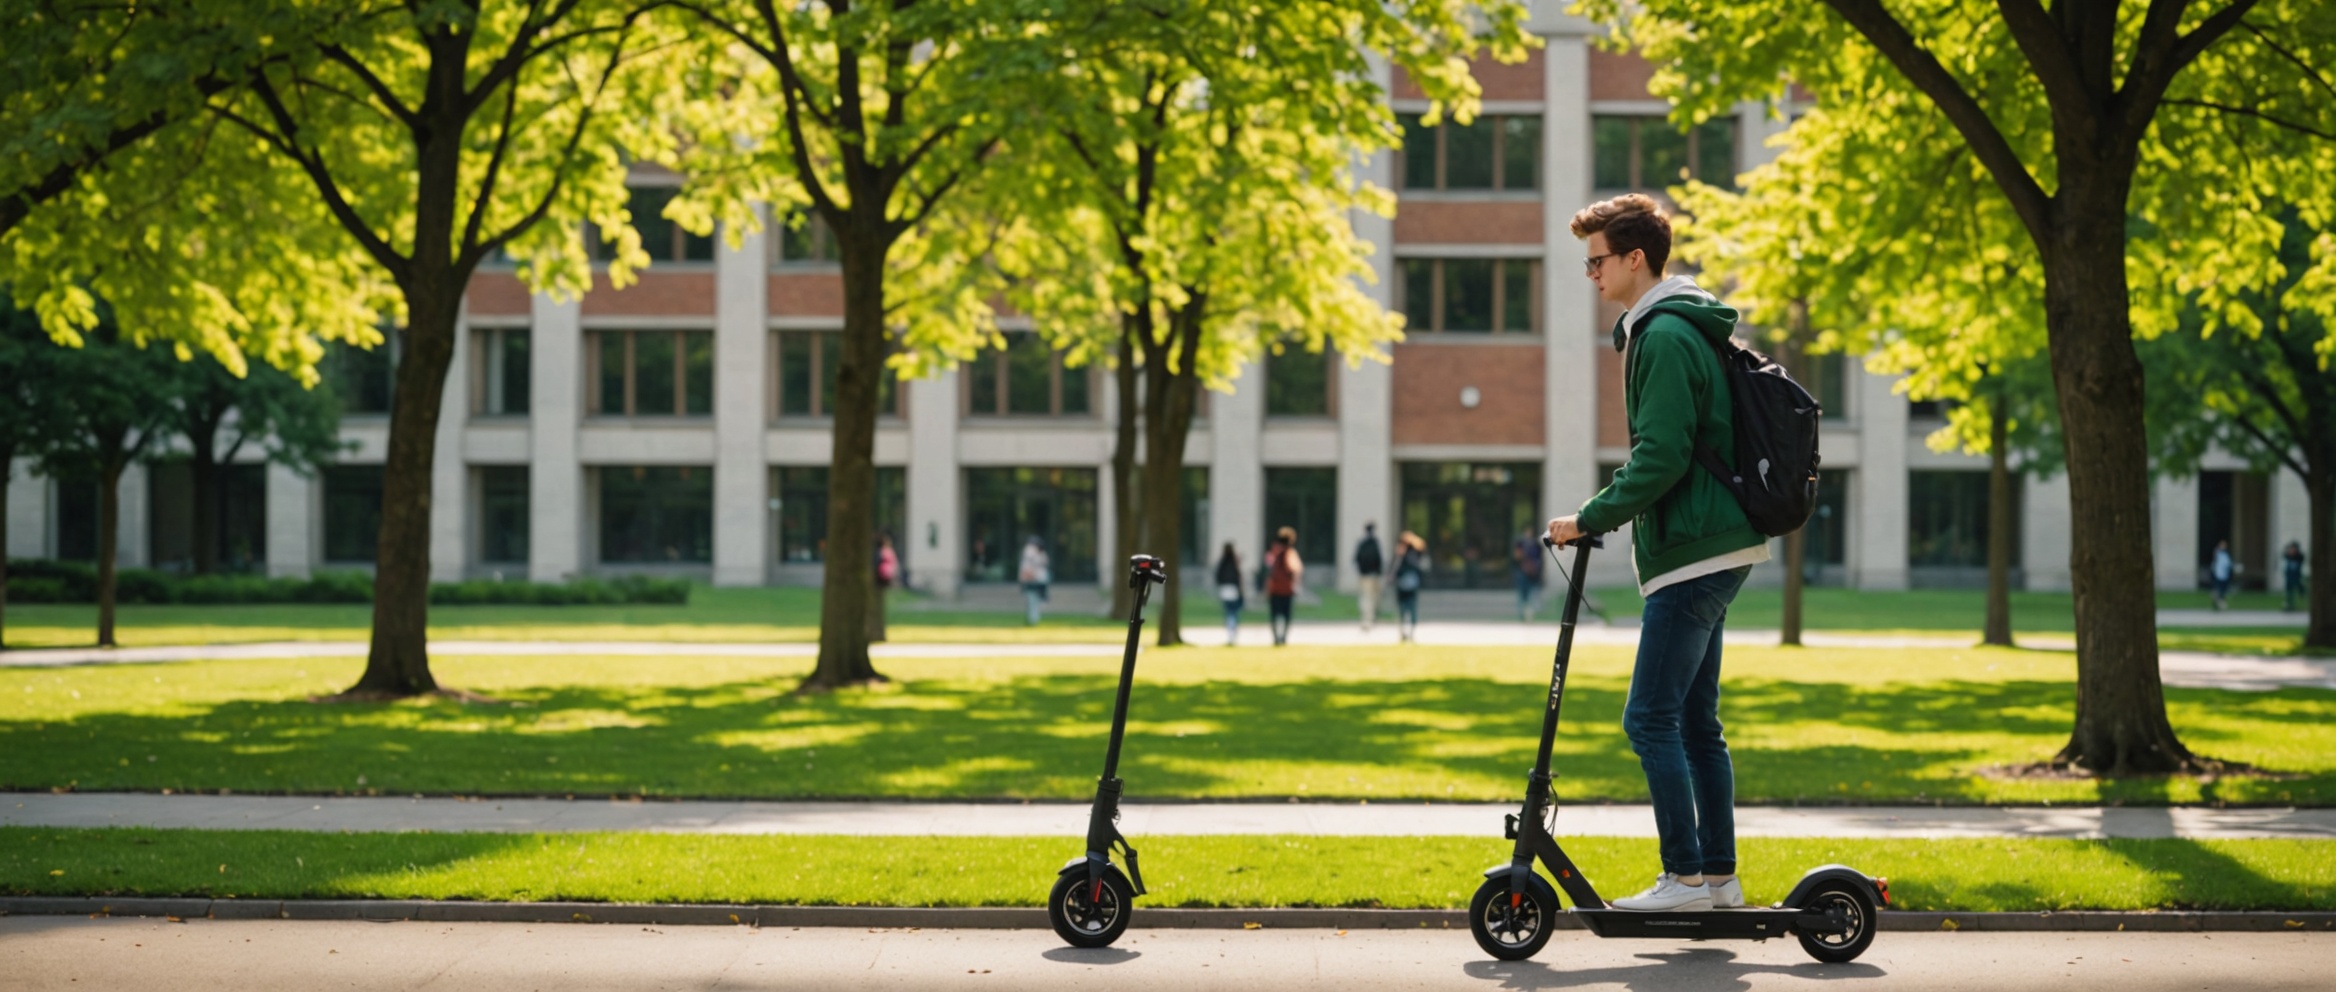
(1429, 377)
(1498, 222)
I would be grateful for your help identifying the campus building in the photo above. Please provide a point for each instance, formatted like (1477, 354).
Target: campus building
(681, 425)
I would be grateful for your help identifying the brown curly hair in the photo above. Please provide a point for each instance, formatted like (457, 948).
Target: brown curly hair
(1631, 222)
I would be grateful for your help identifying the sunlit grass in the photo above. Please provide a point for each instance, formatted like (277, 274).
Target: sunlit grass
(1229, 871)
(1806, 726)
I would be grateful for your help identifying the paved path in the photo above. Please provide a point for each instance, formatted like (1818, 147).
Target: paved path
(46, 953)
(326, 813)
(2182, 669)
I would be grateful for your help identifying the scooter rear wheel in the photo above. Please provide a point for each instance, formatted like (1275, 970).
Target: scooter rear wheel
(1090, 913)
(1513, 926)
(1849, 903)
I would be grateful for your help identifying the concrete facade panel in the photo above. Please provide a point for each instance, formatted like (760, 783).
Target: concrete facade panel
(620, 443)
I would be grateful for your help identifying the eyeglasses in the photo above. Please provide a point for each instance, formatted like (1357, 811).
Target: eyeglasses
(1590, 264)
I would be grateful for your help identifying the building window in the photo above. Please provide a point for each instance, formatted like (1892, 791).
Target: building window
(804, 365)
(1825, 539)
(661, 238)
(1005, 507)
(1647, 152)
(1947, 521)
(799, 493)
(1025, 378)
(651, 373)
(363, 378)
(1195, 527)
(1306, 499)
(1493, 152)
(502, 380)
(77, 512)
(1471, 295)
(656, 514)
(239, 522)
(1828, 380)
(503, 515)
(352, 512)
(1929, 409)
(1471, 514)
(805, 239)
(1298, 384)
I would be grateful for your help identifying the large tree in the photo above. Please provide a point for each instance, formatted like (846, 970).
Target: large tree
(436, 135)
(2041, 134)
(29, 410)
(868, 116)
(1209, 197)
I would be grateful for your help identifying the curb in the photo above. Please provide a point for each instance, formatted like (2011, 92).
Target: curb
(1030, 918)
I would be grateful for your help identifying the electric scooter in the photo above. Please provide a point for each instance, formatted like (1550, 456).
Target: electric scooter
(1832, 910)
(1091, 899)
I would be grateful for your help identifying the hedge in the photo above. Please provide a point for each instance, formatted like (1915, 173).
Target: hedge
(46, 581)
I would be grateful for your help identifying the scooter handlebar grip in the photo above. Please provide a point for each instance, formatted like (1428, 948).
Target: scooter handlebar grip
(1593, 540)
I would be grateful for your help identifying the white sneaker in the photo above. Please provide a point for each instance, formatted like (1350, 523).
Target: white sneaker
(1669, 895)
(1727, 895)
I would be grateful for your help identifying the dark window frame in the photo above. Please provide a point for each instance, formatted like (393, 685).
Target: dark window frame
(1439, 308)
(646, 206)
(1330, 375)
(818, 241)
(658, 499)
(1441, 168)
(494, 484)
(819, 344)
(992, 361)
(1635, 157)
(595, 391)
(490, 352)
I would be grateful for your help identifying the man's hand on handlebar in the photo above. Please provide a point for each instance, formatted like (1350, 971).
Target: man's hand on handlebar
(1565, 530)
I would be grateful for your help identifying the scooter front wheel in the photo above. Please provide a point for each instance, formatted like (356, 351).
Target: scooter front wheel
(1090, 913)
(1513, 926)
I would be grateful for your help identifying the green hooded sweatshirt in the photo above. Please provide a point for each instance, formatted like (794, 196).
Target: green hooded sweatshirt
(1676, 396)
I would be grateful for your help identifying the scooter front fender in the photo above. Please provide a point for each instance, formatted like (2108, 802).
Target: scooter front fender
(1827, 873)
(1507, 868)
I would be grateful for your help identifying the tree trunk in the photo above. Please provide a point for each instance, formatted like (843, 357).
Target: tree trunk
(2121, 726)
(1170, 388)
(398, 663)
(2319, 591)
(109, 525)
(1126, 507)
(7, 476)
(1999, 530)
(1796, 544)
(849, 586)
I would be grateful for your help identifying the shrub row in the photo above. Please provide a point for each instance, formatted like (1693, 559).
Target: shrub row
(44, 581)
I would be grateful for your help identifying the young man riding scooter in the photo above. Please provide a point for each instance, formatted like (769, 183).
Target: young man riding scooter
(1690, 543)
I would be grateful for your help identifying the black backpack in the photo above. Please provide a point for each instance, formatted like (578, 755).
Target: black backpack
(1775, 475)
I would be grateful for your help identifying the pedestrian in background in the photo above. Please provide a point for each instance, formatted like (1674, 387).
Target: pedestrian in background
(1525, 562)
(1229, 592)
(1283, 571)
(1368, 566)
(2220, 570)
(887, 572)
(1035, 576)
(1411, 572)
(2291, 572)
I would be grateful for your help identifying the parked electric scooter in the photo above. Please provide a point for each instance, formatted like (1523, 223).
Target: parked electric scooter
(1832, 910)
(1091, 899)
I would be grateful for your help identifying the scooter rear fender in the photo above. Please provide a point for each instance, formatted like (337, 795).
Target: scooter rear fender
(1827, 873)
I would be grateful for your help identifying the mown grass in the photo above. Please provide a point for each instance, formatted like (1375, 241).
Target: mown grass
(1236, 871)
(1806, 726)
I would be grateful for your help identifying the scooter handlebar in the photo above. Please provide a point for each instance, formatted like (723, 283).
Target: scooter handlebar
(1593, 540)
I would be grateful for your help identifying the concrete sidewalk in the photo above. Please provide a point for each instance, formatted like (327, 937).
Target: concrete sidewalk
(2181, 669)
(451, 815)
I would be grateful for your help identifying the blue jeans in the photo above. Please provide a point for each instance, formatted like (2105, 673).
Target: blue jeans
(1673, 722)
(1232, 619)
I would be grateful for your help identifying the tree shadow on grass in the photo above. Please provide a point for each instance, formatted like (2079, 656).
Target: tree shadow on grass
(1037, 737)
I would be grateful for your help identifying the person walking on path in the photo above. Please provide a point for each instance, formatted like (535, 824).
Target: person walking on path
(2219, 568)
(1525, 563)
(2291, 573)
(1691, 545)
(1369, 564)
(1411, 572)
(1035, 576)
(1283, 571)
(1229, 592)
(887, 565)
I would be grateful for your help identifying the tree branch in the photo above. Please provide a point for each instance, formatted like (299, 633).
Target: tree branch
(2298, 60)
(389, 100)
(286, 139)
(2252, 112)
(1887, 35)
(2047, 47)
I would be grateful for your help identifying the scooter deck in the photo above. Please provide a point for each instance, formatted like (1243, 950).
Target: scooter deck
(1718, 924)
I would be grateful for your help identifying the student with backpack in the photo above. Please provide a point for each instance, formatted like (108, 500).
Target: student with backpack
(1411, 572)
(1525, 562)
(1283, 570)
(1693, 510)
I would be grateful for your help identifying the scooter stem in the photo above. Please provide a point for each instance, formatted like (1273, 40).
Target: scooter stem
(1565, 651)
(1127, 678)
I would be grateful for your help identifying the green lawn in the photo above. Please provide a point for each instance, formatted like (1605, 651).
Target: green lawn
(1807, 726)
(1252, 871)
(1959, 610)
